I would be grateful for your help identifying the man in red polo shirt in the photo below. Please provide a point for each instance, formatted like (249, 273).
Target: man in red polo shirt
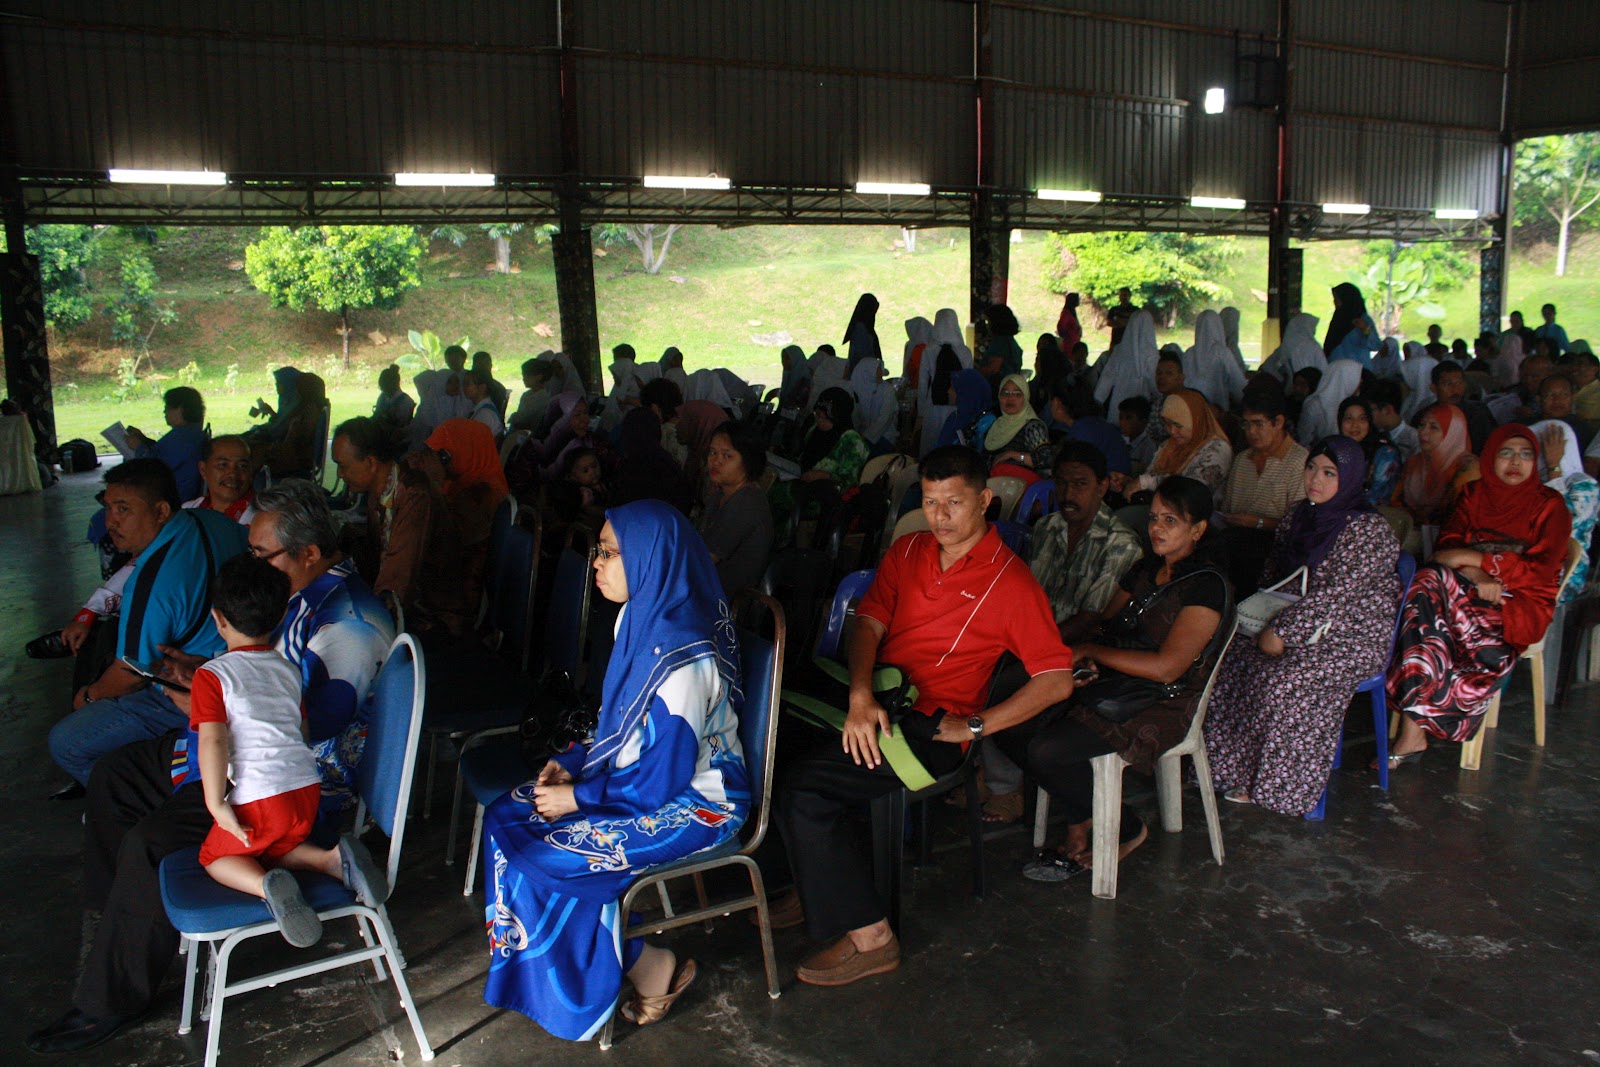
(944, 606)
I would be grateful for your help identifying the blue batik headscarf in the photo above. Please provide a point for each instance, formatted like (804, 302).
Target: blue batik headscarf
(675, 615)
(973, 397)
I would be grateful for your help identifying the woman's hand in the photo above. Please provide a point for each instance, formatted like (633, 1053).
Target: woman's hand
(1457, 558)
(1269, 642)
(554, 774)
(554, 801)
(1490, 591)
(136, 436)
(859, 735)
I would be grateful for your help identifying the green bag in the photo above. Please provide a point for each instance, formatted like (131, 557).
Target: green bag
(893, 690)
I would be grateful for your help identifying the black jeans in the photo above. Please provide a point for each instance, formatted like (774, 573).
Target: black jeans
(134, 819)
(831, 868)
(1056, 749)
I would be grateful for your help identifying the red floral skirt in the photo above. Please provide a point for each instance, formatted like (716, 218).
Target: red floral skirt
(1451, 657)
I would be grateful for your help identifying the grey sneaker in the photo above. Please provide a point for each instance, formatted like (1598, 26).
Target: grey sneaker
(362, 875)
(299, 923)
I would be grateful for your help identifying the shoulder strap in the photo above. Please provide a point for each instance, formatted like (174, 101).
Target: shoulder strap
(205, 598)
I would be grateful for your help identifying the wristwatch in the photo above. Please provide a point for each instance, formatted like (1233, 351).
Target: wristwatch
(975, 724)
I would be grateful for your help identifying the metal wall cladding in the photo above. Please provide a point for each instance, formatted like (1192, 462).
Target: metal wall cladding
(1377, 87)
(1553, 95)
(106, 97)
(1244, 16)
(908, 36)
(1393, 166)
(1468, 30)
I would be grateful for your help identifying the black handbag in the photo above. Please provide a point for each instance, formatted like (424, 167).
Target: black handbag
(558, 715)
(1118, 697)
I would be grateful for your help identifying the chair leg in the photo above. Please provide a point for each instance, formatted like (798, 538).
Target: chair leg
(1107, 823)
(1472, 749)
(666, 899)
(1536, 662)
(396, 967)
(1208, 801)
(1380, 719)
(1041, 816)
(769, 958)
(888, 850)
(473, 848)
(1169, 791)
(1491, 721)
(975, 827)
(211, 981)
(191, 962)
(455, 819)
(218, 992)
(366, 936)
(433, 764)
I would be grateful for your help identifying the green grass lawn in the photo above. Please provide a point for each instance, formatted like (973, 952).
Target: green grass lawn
(727, 298)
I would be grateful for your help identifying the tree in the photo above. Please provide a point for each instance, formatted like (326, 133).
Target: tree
(65, 253)
(1170, 273)
(1401, 276)
(1560, 177)
(337, 268)
(135, 312)
(501, 233)
(643, 238)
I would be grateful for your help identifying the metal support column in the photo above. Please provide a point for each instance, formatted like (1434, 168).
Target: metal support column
(27, 354)
(573, 247)
(1283, 263)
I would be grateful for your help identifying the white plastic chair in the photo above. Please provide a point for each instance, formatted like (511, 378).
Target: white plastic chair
(1169, 788)
(1009, 490)
(205, 912)
(1472, 751)
(910, 522)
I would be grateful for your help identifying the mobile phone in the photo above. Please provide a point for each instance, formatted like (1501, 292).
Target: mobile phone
(145, 672)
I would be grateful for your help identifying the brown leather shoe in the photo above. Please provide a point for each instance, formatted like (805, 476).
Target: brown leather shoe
(841, 963)
(783, 913)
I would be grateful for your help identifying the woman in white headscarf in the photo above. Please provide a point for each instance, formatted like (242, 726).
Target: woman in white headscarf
(706, 385)
(1561, 468)
(1320, 416)
(1129, 369)
(947, 331)
(646, 372)
(919, 332)
(1417, 371)
(567, 378)
(875, 404)
(828, 371)
(1298, 350)
(1386, 364)
(1507, 366)
(1209, 366)
(1230, 334)
(672, 368)
(624, 387)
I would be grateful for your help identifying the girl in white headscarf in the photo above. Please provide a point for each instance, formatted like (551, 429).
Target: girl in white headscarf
(672, 368)
(1508, 364)
(706, 385)
(1417, 371)
(1209, 366)
(1129, 369)
(1320, 416)
(875, 403)
(567, 378)
(1298, 350)
(828, 371)
(624, 387)
(1230, 334)
(919, 332)
(947, 331)
(1386, 364)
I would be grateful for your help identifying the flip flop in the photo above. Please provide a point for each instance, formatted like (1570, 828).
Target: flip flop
(1398, 760)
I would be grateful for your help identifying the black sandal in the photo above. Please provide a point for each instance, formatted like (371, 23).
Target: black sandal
(1051, 866)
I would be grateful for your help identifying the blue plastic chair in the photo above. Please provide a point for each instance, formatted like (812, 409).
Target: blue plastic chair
(490, 768)
(852, 587)
(1406, 567)
(1042, 495)
(1017, 536)
(761, 664)
(205, 912)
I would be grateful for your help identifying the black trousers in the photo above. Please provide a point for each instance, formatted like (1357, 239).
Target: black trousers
(134, 819)
(816, 794)
(1056, 749)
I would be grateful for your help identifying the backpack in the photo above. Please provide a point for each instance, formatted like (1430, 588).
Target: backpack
(77, 455)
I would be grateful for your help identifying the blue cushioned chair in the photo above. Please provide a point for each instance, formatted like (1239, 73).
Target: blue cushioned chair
(491, 763)
(1016, 535)
(205, 912)
(761, 665)
(1041, 495)
(1406, 567)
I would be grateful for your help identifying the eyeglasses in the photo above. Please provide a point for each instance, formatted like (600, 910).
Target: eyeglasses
(266, 557)
(606, 555)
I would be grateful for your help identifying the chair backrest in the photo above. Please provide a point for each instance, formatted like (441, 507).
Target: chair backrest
(889, 462)
(394, 727)
(1040, 495)
(1016, 536)
(515, 580)
(397, 611)
(1197, 725)
(319, 462)
(566, 620)
(852, 587)
(1009, 491)
(1575, 552)
(910, 522)
(761, 669)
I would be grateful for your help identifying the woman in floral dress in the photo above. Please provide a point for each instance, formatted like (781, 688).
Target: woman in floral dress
(1278, 707)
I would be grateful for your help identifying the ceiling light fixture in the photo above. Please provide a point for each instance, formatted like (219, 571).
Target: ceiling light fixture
(433, 179)
(666, 181)
(167, 177)
(893, 188)
(1226, 203)
(1081, 196)
(1346, 209)
(1458, 213)
(1216, 101)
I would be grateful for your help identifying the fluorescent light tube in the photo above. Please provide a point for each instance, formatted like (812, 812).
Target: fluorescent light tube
(1462, 213)
(167, 177)
(1081, 196)
(444, 179)
(1346, 209)
(1216, 101)
(893, 188)
(664, 181)
(1227, 203)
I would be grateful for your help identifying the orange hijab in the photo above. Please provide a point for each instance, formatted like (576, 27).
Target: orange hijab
(1426, 481)
(473, 457)
(1187, 407)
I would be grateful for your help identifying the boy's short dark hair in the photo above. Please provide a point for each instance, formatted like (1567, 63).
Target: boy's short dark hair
(955, 461)
(1269, 403)
(1310, 375)
(1080, 452)
(251, 594)
(539, 368)
(662, 393)
(1170, 357)
(188, 401)
(1137, 406)
(371, 439)
(150, 478)
(1440, 370)
(750, 445)
(1384, 392)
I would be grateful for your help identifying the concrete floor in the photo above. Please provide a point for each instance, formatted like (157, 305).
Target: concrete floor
(1452, 920)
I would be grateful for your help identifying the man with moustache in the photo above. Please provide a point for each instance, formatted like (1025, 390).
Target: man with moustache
(226, 470)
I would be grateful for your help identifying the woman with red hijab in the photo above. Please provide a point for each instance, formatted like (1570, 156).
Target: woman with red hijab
(473, 486)
(1489, 593)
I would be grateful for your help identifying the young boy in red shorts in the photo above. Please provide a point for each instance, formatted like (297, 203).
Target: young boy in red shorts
(245, 708)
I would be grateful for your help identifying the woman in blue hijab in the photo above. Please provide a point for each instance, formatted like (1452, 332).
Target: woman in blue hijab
(663, 778)
(972, 399)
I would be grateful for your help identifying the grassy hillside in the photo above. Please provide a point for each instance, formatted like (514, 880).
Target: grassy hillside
(726, 298)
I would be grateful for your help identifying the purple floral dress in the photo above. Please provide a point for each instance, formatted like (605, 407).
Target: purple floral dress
(1273, 722)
